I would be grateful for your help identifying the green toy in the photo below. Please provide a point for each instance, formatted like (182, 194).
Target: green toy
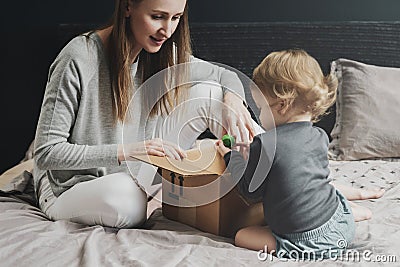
(228, 140)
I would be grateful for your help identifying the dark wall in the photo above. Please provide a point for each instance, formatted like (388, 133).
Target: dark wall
(29, 43)
(294, 10)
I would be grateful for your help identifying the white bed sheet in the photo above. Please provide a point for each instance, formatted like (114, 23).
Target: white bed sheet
(27, 237)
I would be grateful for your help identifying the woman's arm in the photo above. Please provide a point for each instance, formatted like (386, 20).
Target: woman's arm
(67, 94)
(203, 71)
(236, 118)
(58, 113)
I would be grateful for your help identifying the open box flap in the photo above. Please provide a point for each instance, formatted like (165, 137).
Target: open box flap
(204, 159)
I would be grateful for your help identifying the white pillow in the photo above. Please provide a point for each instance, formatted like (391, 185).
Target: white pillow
(367, 112)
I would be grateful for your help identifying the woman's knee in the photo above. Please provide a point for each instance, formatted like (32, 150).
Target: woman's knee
(127, 201)
(114, 200)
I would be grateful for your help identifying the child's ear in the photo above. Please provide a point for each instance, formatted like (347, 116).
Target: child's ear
(284, 105)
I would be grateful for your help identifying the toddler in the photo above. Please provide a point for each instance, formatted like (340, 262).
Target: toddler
(306, 215)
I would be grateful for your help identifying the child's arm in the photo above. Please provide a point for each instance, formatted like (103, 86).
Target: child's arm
(243, 171)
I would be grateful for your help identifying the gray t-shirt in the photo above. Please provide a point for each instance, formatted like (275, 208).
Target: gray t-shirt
(76, 139)
(296, 193)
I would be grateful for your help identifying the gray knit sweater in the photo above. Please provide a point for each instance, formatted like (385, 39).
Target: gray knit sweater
(76, 139)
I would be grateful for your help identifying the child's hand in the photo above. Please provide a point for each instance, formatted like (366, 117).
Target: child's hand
(221, 148)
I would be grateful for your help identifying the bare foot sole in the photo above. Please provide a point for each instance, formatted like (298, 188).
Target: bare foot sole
(360, 213)
(353, 193)
(371, 193)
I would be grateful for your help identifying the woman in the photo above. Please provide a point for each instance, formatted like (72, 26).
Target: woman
(80, 170)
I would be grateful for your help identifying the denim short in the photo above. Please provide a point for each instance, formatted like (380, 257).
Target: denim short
(327, 241)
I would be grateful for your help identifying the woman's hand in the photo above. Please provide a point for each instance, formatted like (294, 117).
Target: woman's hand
(237, 119)
(154, 147)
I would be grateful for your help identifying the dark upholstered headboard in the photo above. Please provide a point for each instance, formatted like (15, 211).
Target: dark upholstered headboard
(244, 45)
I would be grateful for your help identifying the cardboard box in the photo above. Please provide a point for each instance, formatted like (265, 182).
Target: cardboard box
(191, 191)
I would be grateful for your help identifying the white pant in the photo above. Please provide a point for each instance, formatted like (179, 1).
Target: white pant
(113, 200)
(116, 200)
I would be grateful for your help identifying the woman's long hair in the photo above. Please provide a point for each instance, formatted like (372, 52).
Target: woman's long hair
(175, 50)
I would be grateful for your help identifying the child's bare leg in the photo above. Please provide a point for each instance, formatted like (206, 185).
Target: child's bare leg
(360, 213)
(357, 193)
(256, 238)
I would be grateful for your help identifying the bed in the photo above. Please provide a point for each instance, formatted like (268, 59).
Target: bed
(364, 153)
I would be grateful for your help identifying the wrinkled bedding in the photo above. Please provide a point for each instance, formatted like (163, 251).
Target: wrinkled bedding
(29, 238)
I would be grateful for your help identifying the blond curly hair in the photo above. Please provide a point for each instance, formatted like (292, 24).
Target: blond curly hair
(295, 76)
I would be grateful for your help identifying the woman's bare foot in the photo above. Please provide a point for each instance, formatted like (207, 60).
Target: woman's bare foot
(360, 213)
